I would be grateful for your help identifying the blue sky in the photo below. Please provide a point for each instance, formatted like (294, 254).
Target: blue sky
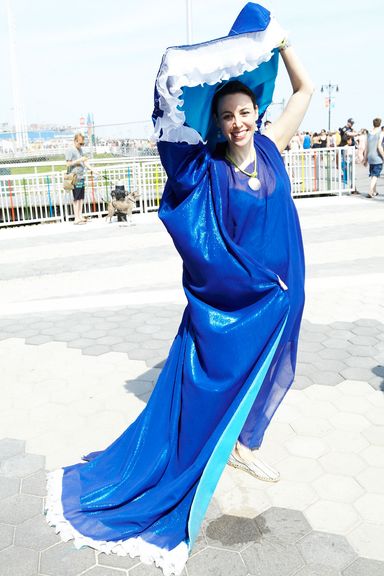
(110, 52)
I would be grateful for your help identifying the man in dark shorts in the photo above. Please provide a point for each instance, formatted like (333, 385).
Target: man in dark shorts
(77, 163)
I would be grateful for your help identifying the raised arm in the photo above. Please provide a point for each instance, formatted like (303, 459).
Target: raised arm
(288, 123)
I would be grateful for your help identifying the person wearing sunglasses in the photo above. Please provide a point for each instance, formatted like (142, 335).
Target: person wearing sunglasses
(77, 162)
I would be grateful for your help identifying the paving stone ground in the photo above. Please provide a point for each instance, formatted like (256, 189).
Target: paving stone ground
(87, 317)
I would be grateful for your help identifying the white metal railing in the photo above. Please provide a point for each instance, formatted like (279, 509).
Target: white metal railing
(31, 198)
(38, 196)
(321, 171)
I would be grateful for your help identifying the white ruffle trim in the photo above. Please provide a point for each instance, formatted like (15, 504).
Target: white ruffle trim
(207, 63)
(170, 561)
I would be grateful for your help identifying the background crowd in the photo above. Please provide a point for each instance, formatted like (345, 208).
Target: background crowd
(345, 136)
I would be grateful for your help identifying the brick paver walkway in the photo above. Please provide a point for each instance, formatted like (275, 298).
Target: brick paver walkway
(87, 315)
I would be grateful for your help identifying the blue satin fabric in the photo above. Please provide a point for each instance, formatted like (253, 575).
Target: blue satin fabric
(238, 315)
(234, 355)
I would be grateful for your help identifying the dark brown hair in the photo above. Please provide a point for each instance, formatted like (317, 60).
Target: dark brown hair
(231, 87)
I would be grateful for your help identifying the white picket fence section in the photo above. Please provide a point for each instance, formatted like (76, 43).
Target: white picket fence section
(39, 196)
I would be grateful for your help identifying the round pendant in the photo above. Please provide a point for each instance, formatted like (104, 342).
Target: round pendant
(254, 183)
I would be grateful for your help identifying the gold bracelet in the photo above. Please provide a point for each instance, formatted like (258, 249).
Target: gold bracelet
(284, 44)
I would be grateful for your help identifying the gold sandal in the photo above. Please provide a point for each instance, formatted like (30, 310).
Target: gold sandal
(256, 468)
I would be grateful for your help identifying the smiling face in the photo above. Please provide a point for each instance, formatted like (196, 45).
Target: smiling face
(236, 118)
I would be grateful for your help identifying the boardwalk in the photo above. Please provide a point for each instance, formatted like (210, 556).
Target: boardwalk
(87, 315)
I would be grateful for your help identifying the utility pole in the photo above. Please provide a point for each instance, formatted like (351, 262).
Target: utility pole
(329, 89)
(20, 125)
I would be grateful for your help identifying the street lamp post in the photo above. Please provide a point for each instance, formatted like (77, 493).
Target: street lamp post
(329, 89)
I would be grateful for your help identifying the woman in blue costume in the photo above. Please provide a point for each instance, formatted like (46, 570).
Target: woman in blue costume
(229, 210)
